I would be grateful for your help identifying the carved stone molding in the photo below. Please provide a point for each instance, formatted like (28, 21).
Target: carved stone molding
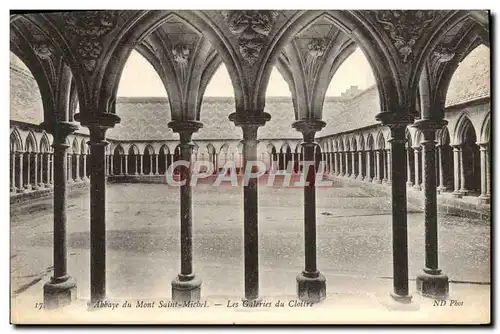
(315, 49)
(43, 50)
(442, 54)
(181, 54)
(405, 27)
(85, 30)
(252, 28)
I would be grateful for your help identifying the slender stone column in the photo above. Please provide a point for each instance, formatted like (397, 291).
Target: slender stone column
(347, 170)
(442, 187)
(485, 173)
(28, 171)
(69, 177)
(378, 178)
(397, 123)
(13, 176)
(416, 151)
(35, 171)
(249, 123)
(61, 289)
(151, 164)
(389, 167)
(111, 162)
(311, 284)
(409, 181)
(141, 172)
(126, 164)
(21, 188)
(186, 286)
(360, 165)
(463, 188)
(40, 171)
(353, 165)
(156, 165)
(335, 163)
(136, 156)
(368, 176)
(384, 163)
(341, 164)
(121, 164)
(332, 165)
(52, 168)
(77, 157)
(456, 171)
(431, 283)
(47, 173)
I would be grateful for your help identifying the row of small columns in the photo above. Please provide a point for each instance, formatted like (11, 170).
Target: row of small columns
(42, 177)
(311, 284)
(350, 164)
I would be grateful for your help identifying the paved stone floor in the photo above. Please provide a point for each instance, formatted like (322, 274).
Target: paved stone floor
(353, 240)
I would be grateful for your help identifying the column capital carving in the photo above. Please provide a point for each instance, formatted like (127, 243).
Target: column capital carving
(104, 120)
(249, 119)
(185, 129)
(60, 130)
(308, 128)
(394, 119)
(483, 146)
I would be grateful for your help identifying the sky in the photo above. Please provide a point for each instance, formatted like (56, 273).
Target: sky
(140, 79)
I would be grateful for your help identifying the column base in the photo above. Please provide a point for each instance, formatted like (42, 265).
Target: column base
(457, 194)
(57, 293)
(13, 190)
(442, 189)
(409, 184)
(388, 182)
(377, 181)
(403, 299)
(417, 187)
(21, 190)
(434, 285)
(484, 199)
(186, 288)
(368, 179)
(464, 191)
(311, 287)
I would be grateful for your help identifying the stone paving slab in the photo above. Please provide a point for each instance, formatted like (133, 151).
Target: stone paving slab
(353, 243)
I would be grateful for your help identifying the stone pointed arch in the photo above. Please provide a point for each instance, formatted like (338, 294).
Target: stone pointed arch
(118, 150)
(34, 44)
(354, 144)
(16, 143)
(370, 143)
(149, 149)
(164, 148)
(133, 150)
(361, 141)
(44, 143)
(380, 141)
(271, 149)
(441, 66)
(443, 136)
(444, 23)
(75, 146)
(485, 136)
(30, 143)
(463, 124)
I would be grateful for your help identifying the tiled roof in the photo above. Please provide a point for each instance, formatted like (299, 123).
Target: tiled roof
(471, 80)
(25, 100)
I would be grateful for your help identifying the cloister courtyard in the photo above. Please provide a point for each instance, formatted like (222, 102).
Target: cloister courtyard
(353, 243)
